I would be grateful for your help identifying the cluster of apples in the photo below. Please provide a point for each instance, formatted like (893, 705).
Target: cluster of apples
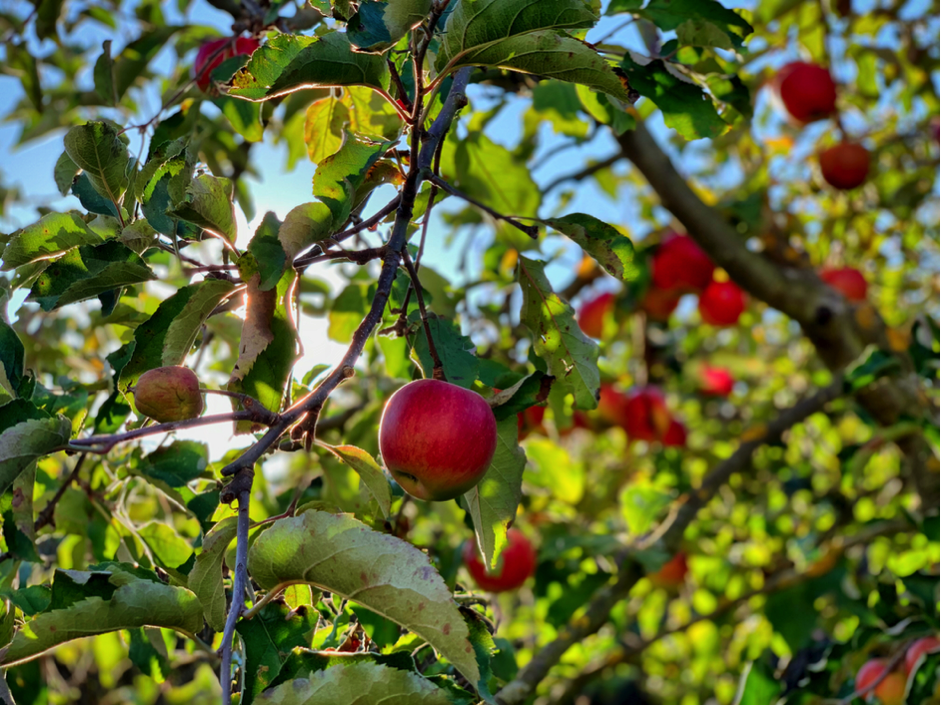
(678, 266)
(891, 688)
(642, 413)
(808, 93)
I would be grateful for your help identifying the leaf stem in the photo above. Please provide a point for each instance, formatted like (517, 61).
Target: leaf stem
(437, 368)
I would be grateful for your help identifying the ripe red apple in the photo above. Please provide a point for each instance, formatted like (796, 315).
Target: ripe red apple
(807, 91)
(515, 565)
(612, 405)
(919, 648)
(645, 415)
(679, 263)
(660, 303)
(847, 280)
(714, 381)
(592, 315)
(437, 439)
(212, 54)
(168, 394)
(845, 166)
(675, 434)
(671, 574)
(721, 303)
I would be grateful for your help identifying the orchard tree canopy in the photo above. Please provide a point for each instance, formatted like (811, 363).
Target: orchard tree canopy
(470, 351)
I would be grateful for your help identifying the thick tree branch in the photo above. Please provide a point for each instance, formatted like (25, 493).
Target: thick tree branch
(840, 332)
(239, 584)
(669, 532)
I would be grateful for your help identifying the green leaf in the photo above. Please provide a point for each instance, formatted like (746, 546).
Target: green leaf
(208, 205)
(378, 26)
(875, 365)
(613, 251)
(457, 352)
(97, 149)
(571, 356)
(495, 176)
(104, 76)
(698, 21)
(64, 173)
(268, 344)
(552, 55)
(289, 63)
(524, 392)
(205, 580)
(243, 116)
(269, 638)
(339, 176)
(50, 236)
(270, 258)
(170, 550)
(476, 26)
(381, 572)
(484, 648)
(21, 63)
(134, 58)
(30, 599)
(305, 225)
(346, 312)
(138, 236)
(133, 605)
(11, 359)
(111, 414)
(360, 683)
(176, 464)
(86, 272)
(550, 467)
(323, 127)
(27, 441)
(492, 503)
(47, 16)
(685, 107)
(181, 334)
(163, 182)
(641, 504)
(758, 685)
(371, 477)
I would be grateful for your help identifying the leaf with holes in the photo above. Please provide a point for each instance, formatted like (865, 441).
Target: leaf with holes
(613, 250)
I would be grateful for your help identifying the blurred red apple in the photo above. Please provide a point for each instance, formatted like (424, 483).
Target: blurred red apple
(891, 690)
(845, 166)
(592, 315)
(530, 420)
(675, 434)
(846, 280)
(515, 565)
(807, 91)
(212, 54)
(437, 439)
(645, 415)
(660, 303)
(672, 573)
(679, 263)
(721, 304)
(919, 648)
(714, 381)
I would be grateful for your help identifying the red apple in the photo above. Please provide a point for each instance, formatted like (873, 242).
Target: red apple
(660, 303)
(675, 434)
(212, 54)
(645, 415)
(593, 313)
(612, 405)
(847, 280)
(530, 420)
(437, 439)
(919, 648)
(717, 382)
(515, 565)
(721, 303)
(168, 394)
(890, 690)
(807, 91)
(845, 166)
(671, 574)
(679, 263)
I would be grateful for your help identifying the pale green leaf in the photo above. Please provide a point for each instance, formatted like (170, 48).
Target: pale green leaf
(96, 149)
(492, 503)
(23, 443)
(379, 25)
(50, 236)
(612, 250)
(305, 225)
(381, 572)
(182, 331)
(323, 128)
(208, 205)
(205, 580)
(371, 477)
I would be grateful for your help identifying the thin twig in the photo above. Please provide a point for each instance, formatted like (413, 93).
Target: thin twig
(437, 367)
(583, 173)
(889, 668)
(531, 231)
(315, 254)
